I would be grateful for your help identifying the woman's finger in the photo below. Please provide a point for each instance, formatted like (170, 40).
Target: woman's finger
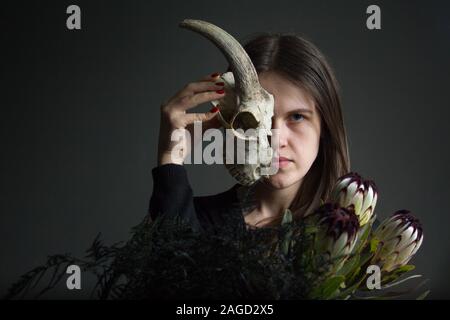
(209, 82)
(193, 117)
(201, 86)
(211, 77)
(188, 102)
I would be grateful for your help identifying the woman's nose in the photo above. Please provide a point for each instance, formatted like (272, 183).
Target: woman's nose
(279, 134)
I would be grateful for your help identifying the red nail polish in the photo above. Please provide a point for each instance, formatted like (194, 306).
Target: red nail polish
(220, 83)
(214, 110)
(221, 91)
(215, 75)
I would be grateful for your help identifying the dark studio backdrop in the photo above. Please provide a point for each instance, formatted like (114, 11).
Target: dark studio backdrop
(80, 113)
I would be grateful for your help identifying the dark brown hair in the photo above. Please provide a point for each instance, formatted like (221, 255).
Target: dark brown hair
(301, 62)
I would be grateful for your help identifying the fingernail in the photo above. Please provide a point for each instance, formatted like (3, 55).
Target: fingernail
(214, 110)
(215, 75)
(220, 83)
(221, 91)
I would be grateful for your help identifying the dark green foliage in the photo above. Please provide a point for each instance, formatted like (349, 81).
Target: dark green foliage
(166, 259)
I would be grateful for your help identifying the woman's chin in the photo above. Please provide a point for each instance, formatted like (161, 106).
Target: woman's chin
(280, 181)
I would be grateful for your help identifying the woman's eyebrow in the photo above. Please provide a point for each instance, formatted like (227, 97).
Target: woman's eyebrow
(301, 110)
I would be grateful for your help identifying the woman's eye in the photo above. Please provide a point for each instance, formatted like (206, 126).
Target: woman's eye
(297, 117)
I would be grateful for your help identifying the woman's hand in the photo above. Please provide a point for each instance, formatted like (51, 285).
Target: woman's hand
(174, 116)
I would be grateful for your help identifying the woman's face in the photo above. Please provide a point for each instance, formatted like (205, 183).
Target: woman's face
(298, 122)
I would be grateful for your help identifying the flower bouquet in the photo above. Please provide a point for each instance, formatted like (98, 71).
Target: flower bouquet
(354, 255)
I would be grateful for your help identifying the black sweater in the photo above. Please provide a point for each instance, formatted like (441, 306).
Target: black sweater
(172, 196)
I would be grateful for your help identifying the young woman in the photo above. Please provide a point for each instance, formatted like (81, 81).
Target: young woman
(312, 150)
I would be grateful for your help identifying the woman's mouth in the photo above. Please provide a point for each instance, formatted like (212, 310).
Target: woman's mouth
(282, 162)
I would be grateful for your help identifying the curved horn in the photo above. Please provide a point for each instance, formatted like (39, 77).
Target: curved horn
(247, 83)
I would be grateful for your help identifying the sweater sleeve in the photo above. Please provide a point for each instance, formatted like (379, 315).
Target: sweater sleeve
(172, 194)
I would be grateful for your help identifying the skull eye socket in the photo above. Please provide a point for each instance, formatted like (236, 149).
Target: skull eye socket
(245, 120)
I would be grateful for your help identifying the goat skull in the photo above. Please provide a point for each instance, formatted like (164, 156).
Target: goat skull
(246, 105)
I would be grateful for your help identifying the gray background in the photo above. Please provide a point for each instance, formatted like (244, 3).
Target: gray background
(80, 113)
